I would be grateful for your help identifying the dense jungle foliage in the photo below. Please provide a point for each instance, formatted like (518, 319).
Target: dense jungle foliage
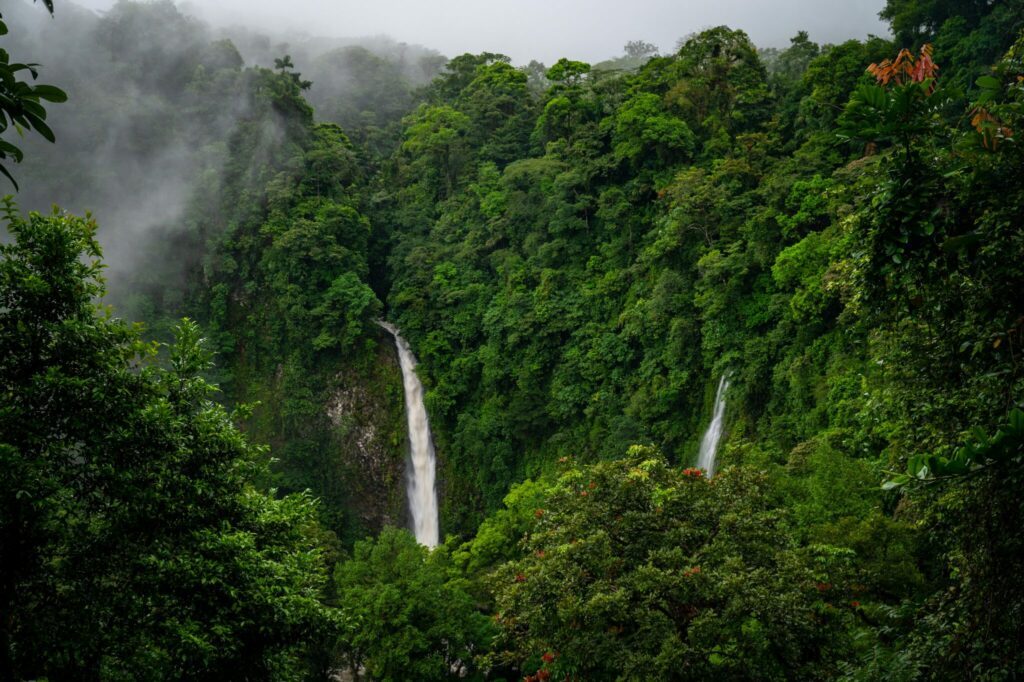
(577, 254)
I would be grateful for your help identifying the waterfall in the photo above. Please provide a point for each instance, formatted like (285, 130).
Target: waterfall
(420, 475)
(709, 444)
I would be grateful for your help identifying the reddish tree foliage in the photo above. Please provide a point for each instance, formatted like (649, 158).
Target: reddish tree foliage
(992, 130)
(906, 68)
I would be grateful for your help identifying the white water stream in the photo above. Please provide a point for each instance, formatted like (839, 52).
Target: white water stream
(709, 444)
(420, 476)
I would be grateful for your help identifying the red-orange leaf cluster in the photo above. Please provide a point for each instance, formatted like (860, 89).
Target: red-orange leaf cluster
(992, 130)
(906, 68)
(693, 472)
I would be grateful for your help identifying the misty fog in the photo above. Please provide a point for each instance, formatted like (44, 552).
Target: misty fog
(176, 85)
(542, 30)
(139, 168)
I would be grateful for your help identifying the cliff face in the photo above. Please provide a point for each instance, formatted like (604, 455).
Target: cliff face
(336, 429)
(365, 409)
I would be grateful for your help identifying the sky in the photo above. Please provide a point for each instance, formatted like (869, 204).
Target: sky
(588, 30)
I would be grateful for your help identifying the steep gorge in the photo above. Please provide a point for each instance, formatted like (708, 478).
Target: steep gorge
(798, 269)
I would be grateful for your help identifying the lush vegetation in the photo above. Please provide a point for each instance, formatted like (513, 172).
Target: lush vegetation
(133, 538)
(577, 254)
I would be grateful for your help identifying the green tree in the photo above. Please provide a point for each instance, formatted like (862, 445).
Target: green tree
(286, 67)
(722, 85)
(638, 49)
(637, 570)
(435, 139)
(645, 132)
(460, 72)
(501, 113)
(133, 543)
(914, 21)
(406, 612)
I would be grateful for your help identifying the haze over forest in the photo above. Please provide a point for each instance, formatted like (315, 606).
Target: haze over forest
(543, 30)
(562, 341)
(136, 195)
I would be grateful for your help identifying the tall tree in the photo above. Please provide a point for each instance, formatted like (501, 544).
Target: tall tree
(133, 544)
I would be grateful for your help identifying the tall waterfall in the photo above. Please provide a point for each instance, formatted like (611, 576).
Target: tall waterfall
(709, 444)
(420, 476)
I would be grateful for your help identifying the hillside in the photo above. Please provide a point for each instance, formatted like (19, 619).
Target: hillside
(805, 264)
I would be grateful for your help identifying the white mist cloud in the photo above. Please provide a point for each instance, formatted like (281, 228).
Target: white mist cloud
(591, 30)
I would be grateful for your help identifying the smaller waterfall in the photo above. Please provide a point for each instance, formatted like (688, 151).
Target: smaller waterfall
(709, 444)
(420, 477)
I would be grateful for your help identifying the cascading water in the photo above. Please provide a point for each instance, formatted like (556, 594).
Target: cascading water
(709, 444)
(420, 476)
